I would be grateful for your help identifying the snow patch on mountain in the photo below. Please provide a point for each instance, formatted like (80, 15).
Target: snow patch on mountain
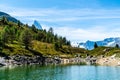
(75, 44)
(109, 42)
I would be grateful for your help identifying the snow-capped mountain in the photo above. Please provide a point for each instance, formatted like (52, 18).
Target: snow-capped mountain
(110, 42)
(37, 24)
(75, 44)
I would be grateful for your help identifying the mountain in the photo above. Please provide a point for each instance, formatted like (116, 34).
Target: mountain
(37, 24)
(31, 42)
(110, 42)
(9, 18)
(74, 44)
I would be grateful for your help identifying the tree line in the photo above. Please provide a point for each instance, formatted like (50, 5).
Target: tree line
(24, 34)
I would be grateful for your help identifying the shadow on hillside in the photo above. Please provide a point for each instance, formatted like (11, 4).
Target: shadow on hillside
(8, 47)
(35, 52)
(41, 57)
(3, 54)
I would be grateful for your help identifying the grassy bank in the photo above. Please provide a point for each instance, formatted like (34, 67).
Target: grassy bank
(46, 49)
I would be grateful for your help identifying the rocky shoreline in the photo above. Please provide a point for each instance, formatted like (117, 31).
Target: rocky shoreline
(23, 60)
(26, 60)
(109, 61)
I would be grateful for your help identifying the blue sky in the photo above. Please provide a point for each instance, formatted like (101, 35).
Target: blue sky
(78, 20)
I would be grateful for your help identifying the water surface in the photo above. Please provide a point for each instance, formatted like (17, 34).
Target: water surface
(60, 72)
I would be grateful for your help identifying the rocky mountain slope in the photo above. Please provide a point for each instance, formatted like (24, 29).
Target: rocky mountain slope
(108, 42)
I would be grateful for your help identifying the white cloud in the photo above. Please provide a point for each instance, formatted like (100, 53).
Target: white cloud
(56, 15)
(79, 35)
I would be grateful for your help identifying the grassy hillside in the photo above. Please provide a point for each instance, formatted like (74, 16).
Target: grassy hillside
(20, 39)
(46, 49)
(105, 51)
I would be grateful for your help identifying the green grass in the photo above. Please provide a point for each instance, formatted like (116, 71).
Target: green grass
(105, 51)
(45, 49)
(16, 49)
(48, 49)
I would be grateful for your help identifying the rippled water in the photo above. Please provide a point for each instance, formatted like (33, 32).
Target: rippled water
(60, 72)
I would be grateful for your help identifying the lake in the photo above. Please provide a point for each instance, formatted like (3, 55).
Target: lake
(60, 72)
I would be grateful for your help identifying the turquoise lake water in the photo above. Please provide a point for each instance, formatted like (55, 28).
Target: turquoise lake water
(60, 72)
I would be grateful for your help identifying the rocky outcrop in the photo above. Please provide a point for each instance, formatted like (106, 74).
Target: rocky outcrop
(65, 60)
(27, 60)
(76, 60)
(21, 60)
(50, 60)
(109, 61)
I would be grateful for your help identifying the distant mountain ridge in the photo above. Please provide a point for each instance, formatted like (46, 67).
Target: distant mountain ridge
(37, 24)
(12, 19)
(110, 42)
(9, 18)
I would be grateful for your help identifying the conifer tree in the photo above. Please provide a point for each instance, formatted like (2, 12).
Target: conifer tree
(95, 45)
(117, 46)
(26, 38)
(19, 23)
(1, 43)
(4, 20)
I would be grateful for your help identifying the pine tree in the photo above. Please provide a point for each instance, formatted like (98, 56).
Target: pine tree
(41, 36)
(56, 38)
(5, 34)
(68, 43)
(4, 20)
(1, 43)
(9, 34)
(34, 28)
(12, 34)
(19, 23)
(64, 40)
(51, 30)
(57, 46)
(95, 45)
(26, 38)
(117, 46)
